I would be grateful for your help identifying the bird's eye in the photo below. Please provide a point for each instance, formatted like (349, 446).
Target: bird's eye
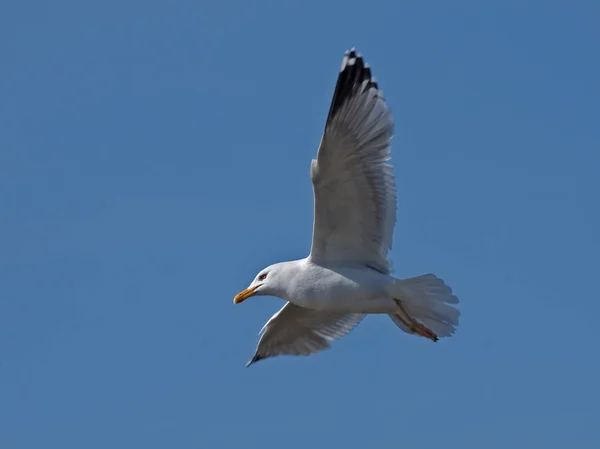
(262, 277)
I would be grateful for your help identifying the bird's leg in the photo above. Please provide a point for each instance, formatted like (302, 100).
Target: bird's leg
(414, 325)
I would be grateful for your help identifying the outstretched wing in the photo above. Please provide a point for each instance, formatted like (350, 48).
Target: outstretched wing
(295, 330)
(354, 186)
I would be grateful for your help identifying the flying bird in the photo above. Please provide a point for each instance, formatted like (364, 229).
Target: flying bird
(347, 273)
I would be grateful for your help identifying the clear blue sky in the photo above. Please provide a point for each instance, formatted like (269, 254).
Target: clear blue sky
(155, 155)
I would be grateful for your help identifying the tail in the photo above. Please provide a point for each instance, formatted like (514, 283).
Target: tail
(427, 300)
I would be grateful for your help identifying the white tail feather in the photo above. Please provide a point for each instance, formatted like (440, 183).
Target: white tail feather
(427, 299)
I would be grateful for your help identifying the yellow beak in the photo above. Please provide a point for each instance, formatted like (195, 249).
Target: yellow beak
(244, 294)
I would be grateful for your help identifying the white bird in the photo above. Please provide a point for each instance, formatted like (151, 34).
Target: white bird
(347, 274)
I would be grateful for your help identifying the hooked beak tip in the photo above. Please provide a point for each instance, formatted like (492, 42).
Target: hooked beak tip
(244, 294)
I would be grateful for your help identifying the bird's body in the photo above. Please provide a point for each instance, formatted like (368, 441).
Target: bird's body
(336, 288)
(347, 274)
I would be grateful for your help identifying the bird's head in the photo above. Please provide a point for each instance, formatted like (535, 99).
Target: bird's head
(267, 282)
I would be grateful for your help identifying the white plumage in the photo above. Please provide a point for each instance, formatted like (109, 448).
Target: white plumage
(346, 274)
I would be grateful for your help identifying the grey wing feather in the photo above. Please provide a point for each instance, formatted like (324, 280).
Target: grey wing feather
(294, 330)
(354, 186)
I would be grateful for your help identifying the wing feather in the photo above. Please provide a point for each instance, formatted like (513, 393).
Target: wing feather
(294, 330)
(354, 185)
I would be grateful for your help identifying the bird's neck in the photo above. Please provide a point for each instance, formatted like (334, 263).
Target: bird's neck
(290, 275)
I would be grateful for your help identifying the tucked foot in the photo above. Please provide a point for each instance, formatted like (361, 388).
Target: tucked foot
(415, 326)
(423, 331)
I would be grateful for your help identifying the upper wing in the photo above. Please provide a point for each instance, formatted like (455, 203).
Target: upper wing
(354, 186)
(295, 330)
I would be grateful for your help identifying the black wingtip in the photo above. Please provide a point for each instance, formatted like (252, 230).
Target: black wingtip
(353, 72)
(254, 359)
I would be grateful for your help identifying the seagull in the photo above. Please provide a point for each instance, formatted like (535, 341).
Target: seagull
(347, 273)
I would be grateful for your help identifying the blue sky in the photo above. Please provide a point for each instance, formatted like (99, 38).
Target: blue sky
(155, 155)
